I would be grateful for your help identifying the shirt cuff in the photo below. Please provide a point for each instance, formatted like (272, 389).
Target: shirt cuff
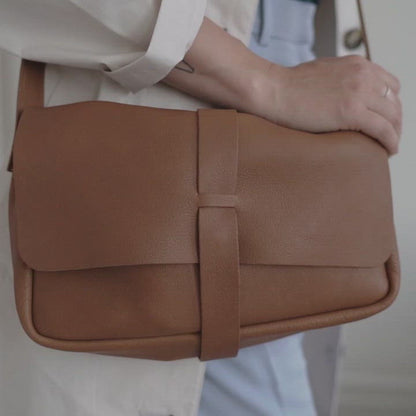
(177, 25)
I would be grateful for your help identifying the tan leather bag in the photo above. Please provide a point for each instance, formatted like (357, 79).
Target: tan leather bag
(165, 234)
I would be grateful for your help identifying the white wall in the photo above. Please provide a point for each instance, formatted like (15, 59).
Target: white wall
(378, 370)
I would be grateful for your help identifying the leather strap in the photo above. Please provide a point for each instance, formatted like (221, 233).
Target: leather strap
(31, 86)
(30, 91)
(364, 31)
(219, 261)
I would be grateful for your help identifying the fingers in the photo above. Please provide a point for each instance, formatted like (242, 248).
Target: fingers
(391, 80)
(367, 74)
(368, 108)
(378, 84)
(387, 107)
(380, 129)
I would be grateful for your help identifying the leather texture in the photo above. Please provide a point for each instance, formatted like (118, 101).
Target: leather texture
(166, 234)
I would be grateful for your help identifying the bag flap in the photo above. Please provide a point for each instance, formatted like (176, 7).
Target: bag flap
(102, 184)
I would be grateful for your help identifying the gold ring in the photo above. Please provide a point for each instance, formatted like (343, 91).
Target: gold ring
(386, 92)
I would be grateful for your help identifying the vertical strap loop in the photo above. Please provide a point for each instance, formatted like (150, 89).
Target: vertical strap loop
(218, 233)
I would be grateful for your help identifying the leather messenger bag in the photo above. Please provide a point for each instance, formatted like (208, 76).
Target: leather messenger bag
(164, 234)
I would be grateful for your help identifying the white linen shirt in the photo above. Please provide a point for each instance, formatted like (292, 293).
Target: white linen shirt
(96, 50)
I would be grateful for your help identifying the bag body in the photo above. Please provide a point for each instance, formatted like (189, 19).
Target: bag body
(165, 234)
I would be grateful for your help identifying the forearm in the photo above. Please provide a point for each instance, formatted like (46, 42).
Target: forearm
(219, 68)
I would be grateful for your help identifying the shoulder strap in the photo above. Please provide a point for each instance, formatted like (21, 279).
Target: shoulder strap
(31, 80)
(30, 91)
(364, 31)
(31, 86)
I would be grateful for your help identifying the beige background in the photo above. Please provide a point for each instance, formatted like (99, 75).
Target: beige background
(378, 368)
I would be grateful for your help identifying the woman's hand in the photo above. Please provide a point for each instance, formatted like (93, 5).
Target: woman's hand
(328, 94)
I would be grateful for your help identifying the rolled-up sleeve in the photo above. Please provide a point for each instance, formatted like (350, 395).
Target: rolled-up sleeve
(176, 27)
(136, 43)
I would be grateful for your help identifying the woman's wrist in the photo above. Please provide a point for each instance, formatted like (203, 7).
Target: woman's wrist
(262, 91)
(220, 69)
